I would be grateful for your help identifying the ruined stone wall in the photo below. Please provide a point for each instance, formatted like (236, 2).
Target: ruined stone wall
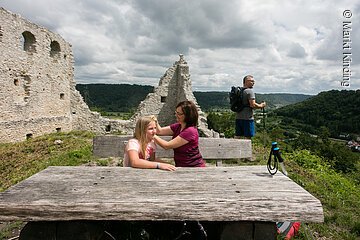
(37, 87)
(174, 87)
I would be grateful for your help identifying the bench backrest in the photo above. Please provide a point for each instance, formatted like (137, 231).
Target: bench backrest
(210, 148)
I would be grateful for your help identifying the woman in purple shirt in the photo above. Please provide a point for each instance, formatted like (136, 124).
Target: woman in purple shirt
(185, 142)
(185, 136)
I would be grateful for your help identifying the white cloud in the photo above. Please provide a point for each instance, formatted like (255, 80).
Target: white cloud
(289, 46)
(297, 51)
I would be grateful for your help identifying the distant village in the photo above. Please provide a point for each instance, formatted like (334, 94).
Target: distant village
(354, 145)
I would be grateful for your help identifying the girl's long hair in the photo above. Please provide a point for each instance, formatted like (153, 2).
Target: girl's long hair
(140, 132)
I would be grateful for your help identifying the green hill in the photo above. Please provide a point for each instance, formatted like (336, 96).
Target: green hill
(113, 97)
(338, 111)
(219, 100)
(335, 110)
(126, 97)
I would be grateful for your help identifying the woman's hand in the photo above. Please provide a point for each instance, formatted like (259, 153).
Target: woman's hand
(173, 143)
(153, 117)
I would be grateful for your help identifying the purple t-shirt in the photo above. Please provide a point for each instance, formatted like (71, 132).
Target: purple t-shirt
(187, 155)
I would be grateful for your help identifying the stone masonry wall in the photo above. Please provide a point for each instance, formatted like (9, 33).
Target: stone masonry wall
(37, 87)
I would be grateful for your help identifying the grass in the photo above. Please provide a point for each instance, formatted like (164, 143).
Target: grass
(9, 229)
(338, 193)
(19, 161)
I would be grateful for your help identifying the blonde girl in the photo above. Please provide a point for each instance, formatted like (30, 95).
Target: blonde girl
(140, 150)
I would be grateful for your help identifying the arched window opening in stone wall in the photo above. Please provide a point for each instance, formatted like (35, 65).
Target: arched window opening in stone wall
(16, 82)
(55, 49)
(107, 128)
(62, 96)
(27, 83)
(29, 42)
(29, 136)
(163, 99)
(58, 129)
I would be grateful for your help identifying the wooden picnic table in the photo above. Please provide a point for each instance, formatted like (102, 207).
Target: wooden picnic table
(230, 194)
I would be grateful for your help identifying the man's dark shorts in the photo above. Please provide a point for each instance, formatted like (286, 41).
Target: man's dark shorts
(244, 128)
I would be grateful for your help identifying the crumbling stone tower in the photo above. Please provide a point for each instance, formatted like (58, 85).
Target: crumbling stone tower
(174, 87)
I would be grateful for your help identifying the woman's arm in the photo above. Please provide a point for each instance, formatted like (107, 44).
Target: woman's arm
(162, 131)
(174, 143)
(137, 162)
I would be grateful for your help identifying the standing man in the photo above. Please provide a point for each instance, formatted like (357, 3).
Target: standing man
(244, 123)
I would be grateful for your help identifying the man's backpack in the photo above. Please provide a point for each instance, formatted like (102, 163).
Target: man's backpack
(236, 99)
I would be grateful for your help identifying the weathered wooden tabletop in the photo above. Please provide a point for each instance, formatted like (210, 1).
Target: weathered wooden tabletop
(244, 193)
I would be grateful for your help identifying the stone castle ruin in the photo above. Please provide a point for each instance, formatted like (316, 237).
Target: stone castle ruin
(37, 87)
(174, 87)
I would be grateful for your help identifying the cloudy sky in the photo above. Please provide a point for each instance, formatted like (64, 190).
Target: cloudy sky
(289, 46)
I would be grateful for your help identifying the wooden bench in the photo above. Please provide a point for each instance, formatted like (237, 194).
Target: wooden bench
(218, 149)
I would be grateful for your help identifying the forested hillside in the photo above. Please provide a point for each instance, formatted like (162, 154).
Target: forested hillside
(126, 97)
(219, 100)
(338, 111)
(113, 97)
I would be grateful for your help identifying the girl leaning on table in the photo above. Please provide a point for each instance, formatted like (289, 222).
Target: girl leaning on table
(140, 150)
